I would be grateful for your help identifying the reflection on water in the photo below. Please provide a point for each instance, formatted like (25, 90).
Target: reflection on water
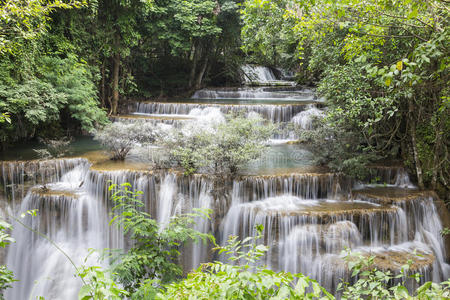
(25, 151)
(282, 158)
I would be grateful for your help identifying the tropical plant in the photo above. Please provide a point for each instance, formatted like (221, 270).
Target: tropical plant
(267, 35)
(248, 280)
(98, 284)
(6, 275)
(398, 52)
(23, 20)
(372, 283)
(155, 251)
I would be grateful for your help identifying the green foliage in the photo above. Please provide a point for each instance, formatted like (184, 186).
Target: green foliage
(372, 283)
(98, 285)
(57, 92)
(6, 275)
(267, 33)
(223, 148)
(382, 67)
(181, 23)
(225, 281)
(5, 117)
(72, 78)
(341, 150)
(33, 102)
(24, 20)
(155, 250)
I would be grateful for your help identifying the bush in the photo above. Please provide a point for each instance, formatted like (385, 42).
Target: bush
(225, 281)
(6, 275)
(155, 250)
(120, 138)
(54, 148)
(372, 283)
(343, 151)
(221, 148)
(73, 79)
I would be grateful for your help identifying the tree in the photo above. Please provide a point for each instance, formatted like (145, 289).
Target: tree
(23, 20)
(53, 94)
(222, 148)
(268, 36)
(398, 52)
(120, 138)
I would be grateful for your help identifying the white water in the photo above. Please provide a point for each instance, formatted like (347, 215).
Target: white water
(260, 93)
(308, 217)
(305, 118)
(275, 113)
(259, 75)
(75, 224)
(167, 200)
(307, 234)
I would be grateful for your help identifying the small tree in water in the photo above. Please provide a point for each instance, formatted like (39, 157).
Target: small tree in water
(221, 148)
(54, 148)
(120, 138)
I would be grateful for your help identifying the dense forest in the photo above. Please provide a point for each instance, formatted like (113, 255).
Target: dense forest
(69, 67)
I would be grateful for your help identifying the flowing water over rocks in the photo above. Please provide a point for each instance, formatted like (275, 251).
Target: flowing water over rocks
(309, 214)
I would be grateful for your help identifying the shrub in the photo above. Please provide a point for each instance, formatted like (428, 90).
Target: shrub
(120, 138)
(225, 281)
(221, 148)
(155, 251)
(54, 148)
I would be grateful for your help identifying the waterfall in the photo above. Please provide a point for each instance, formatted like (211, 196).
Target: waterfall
(258, 74)
(305, 186)
(309, 214)
(71, 218)
(305, 118)
(275, 113)
(18, 175)
(167, 200)
(259, 93)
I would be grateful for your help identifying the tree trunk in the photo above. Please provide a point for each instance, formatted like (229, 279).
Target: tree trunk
(436, 158)
(115, 86)
(198, 81)
(194, 65)
(102, 85)
(412, 128)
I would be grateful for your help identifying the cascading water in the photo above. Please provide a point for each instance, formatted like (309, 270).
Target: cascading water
(275, 113)
(72, 219)
(260, 93)
(309, 214)
(259, 75)
(166, 200)
(307, 230)
(18, 176)
(305, 118)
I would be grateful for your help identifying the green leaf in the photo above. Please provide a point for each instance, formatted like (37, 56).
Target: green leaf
(413, 14)
(388, 81)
